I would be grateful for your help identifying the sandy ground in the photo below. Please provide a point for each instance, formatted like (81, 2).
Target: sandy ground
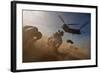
(39, 51)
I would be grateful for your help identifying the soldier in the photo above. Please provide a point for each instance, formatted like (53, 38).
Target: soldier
(30, 36)
(56, 40)
(30, 32)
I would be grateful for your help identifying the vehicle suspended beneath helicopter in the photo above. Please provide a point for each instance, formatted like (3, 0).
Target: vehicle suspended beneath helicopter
(68, 29)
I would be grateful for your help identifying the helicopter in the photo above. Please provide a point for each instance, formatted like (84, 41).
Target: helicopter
(68, 29)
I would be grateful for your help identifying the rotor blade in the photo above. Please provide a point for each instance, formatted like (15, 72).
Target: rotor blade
(84, 25)
(61, 19)
(73, 24)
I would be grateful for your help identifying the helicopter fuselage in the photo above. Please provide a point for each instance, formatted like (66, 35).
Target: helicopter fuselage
(66, 28)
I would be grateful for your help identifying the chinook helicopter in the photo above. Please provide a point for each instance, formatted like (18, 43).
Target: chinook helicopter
(68, 29)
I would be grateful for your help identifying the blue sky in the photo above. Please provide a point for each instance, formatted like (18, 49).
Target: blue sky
(49, 22)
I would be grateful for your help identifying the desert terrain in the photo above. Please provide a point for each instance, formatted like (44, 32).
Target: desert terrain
(39, 51)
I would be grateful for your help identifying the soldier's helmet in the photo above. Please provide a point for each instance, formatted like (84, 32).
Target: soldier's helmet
(61, 33)
(32, 28)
